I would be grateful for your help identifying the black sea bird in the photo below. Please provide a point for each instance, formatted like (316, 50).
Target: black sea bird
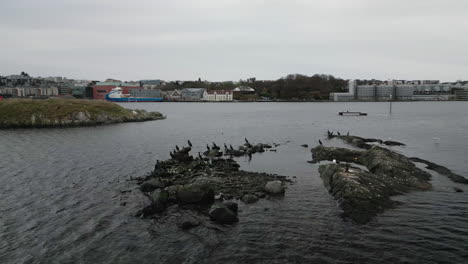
(225, 146)
(320, 142)
(200, 156)
(246, 141)
(338, 132)
(208, 147)
(215, 146)
(189, 143)
(177, 148)
(230, 146)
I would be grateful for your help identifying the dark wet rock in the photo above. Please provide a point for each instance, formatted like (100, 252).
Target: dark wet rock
(232, 206)
(442, 170)
(390, 173)
(361, 194)
(159, 200)
(304, 145)
(361, 142)
(320, 153)
(200, 192)
(457, 189)
(380, 161)
(405, 175)
(275, 188)
(393, 143)
(249, 198)
(188, 222)
(195, 183)
(222, 215)
(147, 187)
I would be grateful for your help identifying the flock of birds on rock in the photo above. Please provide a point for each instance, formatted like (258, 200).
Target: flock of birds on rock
(214, 151)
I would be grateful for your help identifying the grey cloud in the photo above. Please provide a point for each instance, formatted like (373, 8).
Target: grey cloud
(229, 40)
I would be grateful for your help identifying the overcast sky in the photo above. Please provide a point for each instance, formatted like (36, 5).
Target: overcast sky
(235, 39)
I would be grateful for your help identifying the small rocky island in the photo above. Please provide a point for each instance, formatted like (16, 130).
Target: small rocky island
(208, 183)
(364, 180)
(36, 113)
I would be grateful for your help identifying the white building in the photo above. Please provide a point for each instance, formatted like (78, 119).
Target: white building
(396, 90)
(217, 95)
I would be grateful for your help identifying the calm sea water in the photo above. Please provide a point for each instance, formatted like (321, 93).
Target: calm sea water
(60, 189)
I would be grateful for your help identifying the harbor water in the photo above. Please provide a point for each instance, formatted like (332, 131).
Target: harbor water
(66, 196)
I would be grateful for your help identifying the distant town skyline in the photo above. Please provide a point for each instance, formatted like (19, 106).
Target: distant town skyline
(230, 40)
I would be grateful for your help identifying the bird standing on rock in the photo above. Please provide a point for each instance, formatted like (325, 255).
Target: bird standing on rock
(189, 143)
(320, 142)
(338, 132)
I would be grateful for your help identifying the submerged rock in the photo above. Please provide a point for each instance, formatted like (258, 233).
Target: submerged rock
(442, 170)
(220, 214)
(361, 142)
(188, 222)
(275, 188)
(249, 198)
(232, 206)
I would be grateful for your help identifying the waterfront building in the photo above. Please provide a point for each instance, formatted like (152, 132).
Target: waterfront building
(396, 90)
(79, 91)
(192, 94)
(145, 93)
(175, 95)
(217, 95)
(100, 89)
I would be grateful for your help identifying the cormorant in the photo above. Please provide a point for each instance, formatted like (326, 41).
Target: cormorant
(189, 143)
(338, 132)
(177, 148)
(320, 142)
(246, 141)
(230, 146)
(208, 147)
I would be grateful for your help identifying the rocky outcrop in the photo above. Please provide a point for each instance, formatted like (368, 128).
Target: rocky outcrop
(363, 143)
(198, 182)
(25, 113)
(363, 194)
(442, 170)
(320, 153)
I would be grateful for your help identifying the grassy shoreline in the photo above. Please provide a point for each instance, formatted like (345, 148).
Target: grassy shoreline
(33, 113)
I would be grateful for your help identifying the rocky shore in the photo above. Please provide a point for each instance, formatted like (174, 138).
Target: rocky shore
(208, 183)
(364, 180)
(29, 113)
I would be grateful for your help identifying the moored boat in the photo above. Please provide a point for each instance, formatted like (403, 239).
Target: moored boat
(348, 113)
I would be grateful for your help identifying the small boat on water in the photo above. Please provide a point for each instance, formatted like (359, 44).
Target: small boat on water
(116, 95)
(348, 113)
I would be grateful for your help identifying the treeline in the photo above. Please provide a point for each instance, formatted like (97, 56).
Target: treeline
(291, 87)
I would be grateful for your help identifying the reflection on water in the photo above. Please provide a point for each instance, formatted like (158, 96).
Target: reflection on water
(61, 198)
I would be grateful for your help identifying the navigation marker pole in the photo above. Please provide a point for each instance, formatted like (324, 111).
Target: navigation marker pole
(390, 104)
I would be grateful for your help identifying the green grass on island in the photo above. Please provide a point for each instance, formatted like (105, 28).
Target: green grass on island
(66, 112)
